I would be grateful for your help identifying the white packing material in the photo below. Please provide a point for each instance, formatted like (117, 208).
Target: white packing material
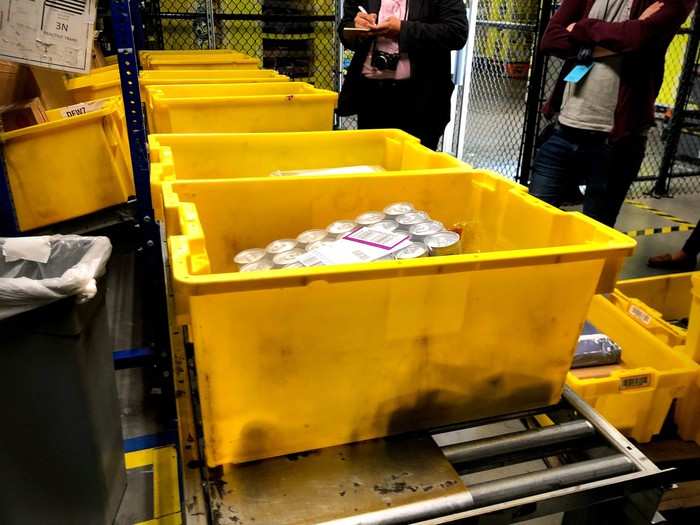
(71, 270)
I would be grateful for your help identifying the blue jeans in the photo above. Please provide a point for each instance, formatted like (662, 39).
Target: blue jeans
(567, 160)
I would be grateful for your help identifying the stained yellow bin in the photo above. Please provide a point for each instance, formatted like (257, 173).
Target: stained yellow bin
(209, 155)
(107, 84)
(637, 396)
(292, 360)
(658, 300)
(239, 108)
(68, 167)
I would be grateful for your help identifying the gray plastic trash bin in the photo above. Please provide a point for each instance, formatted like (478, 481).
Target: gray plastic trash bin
(61, 451)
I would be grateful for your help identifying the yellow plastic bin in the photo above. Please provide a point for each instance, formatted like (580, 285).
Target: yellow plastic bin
(293, 360)
(658, 300)
(636, 395)
(199, 61)
(209, 155)
(147, 54)
(239, 108)
(209, 76)
(107, 84)
(68, 167)
(95, 85)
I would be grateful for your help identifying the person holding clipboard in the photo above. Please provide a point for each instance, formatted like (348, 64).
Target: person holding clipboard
(400, 73)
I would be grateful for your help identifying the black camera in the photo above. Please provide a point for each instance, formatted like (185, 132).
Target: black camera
(385, 61)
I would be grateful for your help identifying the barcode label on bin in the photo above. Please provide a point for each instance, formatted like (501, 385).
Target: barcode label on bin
(641, 381)
(640, 315)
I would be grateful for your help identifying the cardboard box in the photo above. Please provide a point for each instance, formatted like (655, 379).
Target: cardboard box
(52, 88)
(15, 83)
(22, 115)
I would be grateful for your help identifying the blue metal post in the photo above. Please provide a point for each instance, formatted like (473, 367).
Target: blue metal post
(150, 255)
(137, 22)
(129, 72)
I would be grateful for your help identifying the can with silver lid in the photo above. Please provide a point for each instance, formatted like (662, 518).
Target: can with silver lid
(283, 259)
(397, 208)
(293, 265)
(265, 264)
(249, 256)
(341, 227)
(415, 250)
(280, 246)
(369, 218)
(318, 244)
(386, 226)
(420, 231)
(311, 236)
(444, 243)
(411, 218)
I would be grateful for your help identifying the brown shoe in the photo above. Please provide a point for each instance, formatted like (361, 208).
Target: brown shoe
(679, 262)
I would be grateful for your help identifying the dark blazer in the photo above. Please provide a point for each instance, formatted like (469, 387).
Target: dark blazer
(432, 30)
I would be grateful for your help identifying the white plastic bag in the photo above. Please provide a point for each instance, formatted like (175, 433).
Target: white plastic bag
(73, 265)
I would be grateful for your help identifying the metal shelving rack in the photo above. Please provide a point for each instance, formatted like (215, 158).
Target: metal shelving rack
(136, 215)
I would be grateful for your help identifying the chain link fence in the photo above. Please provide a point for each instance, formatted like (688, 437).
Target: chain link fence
(685, 166)
(504, 44)
(295, 37)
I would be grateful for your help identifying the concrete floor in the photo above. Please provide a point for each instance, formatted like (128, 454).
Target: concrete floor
(140, 404)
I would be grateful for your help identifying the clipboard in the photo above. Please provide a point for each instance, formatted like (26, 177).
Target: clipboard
(354, 32)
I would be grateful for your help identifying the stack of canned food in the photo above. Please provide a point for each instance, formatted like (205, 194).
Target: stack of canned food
(428, 238)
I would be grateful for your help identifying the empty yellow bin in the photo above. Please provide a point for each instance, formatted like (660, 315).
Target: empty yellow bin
(94, 86)
(204, 60)
(68, 167)
(293, 360)
(192, 54)
(207, 76)
(200, 156)
(636, 396)
(657, 300)
(239, 108)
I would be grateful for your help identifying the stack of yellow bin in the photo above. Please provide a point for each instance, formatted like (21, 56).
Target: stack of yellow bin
(168, 67)
(297, 359)
(107, 83)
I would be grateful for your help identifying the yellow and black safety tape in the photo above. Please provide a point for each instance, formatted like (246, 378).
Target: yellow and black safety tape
(682, 224)
(648, 232)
